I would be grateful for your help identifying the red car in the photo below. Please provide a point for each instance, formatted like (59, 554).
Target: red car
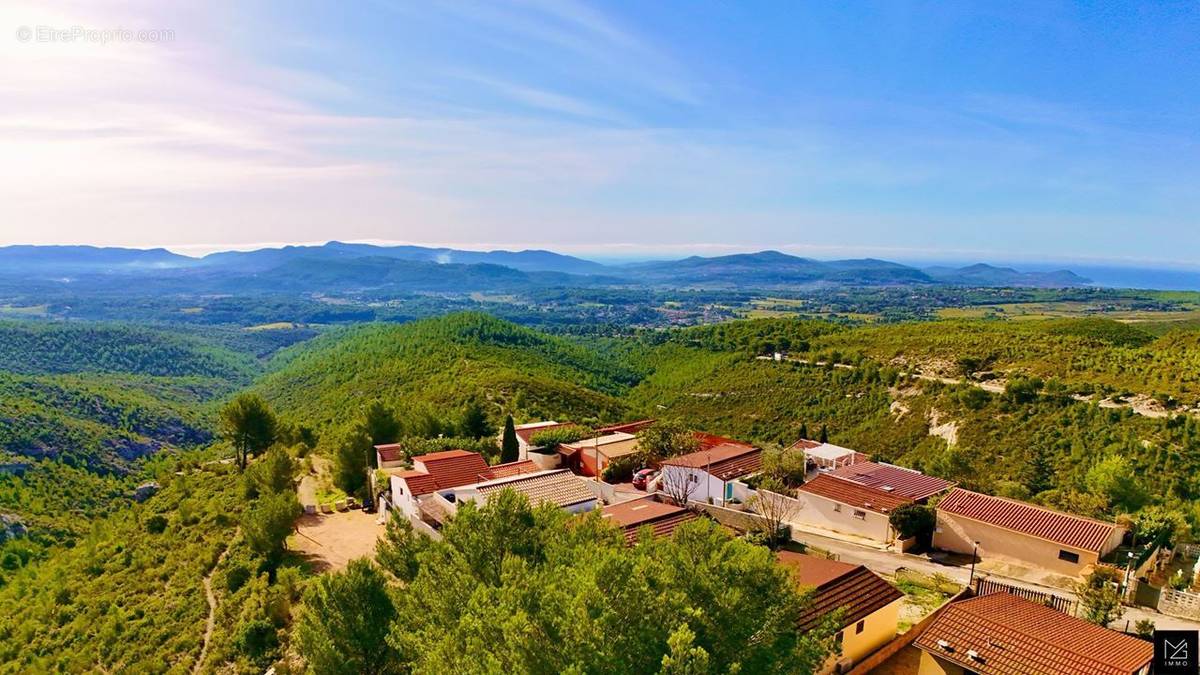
(643, 477)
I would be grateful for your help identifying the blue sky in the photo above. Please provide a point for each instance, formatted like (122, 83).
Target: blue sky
(1021, 131)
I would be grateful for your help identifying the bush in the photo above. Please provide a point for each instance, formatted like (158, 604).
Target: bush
(256, 638)
(559, 435)
(620, 470)
(156, 524)
(237, 575)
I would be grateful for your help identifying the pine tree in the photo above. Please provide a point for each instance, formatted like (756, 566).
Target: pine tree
(510, 450)
(1039, 471)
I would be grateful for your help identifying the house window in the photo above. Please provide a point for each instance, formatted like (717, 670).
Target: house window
(837, 639)
(858, 628)
(837, 508)
(861, 515)
(693, 478)
(1068, 556)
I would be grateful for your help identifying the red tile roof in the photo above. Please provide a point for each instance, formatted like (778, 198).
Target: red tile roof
(912, 484)
(804, 444)
(709, 441)
(635, 514)
(419, 482)
(854, 494)
(509, 469)
(627, 427)
(390, 452)
(1013, 636)
(724, 461)
(561, 488)
(1062, 528)
(452, 468)
(854, 589)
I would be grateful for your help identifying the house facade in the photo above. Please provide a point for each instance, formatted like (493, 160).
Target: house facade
(589, 457)
(1022, 533)
(1002, 634)
(710, 475)
(870, 605)
(841, 506)
(441, 470)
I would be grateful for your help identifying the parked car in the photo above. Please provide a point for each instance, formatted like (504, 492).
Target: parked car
(642, 477)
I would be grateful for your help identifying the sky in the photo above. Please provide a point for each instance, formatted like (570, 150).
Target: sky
(902, 130)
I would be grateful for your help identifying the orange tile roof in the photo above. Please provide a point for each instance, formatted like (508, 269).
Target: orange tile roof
(1062, 528)
(627, 427)
(510, 469)
(560, 487)
(854, 589)
(635, 514)
(854, 494)
(724, 461)
(452, 468)
(1014, 636)
(912, 484)
(419, 482)
(390, 452)
(710, 441)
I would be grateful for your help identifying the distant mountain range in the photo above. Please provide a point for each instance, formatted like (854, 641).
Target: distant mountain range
(338, 266)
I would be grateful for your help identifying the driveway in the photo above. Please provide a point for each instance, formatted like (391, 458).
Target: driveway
(888, 562)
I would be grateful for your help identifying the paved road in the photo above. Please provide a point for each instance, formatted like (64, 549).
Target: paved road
(888, 562)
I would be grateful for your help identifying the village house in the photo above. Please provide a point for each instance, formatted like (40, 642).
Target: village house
(870, 605)
(589, 457)
(648, 511)
(389, 455)
(558, 486)
(1022, 533)
(1002, 634)
(710, 474)
(441, 470)
(908, 483)
(837, 505)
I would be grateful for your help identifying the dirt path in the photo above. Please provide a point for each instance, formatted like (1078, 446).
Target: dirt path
(210, 623)
(306, 492)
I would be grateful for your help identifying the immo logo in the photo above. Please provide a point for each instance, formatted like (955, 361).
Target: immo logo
(1176, 652)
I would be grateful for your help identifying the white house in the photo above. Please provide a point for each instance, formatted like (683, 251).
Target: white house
(709, 475)
(441, 470)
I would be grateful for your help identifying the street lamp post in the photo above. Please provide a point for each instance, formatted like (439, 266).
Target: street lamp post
(974, 550)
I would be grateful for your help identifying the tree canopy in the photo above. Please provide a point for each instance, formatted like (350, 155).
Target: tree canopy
(511, 588)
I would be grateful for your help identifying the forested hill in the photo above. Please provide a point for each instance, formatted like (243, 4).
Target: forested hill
(122, 584)
(441, 363)
(103, 395)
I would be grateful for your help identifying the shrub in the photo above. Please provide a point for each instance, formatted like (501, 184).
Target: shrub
(156, 524)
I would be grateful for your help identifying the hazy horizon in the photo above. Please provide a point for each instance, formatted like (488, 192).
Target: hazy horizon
(1041, 131)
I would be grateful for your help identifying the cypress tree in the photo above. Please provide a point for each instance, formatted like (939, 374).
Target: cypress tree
(510, 450)
(824, 434)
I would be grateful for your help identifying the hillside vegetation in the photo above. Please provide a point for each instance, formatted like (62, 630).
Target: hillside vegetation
(443, 363)
(1086, 354)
